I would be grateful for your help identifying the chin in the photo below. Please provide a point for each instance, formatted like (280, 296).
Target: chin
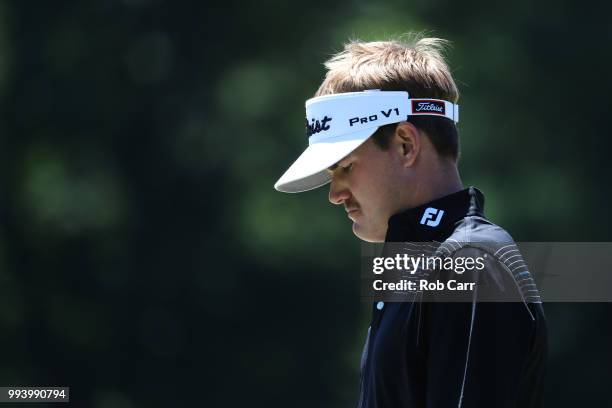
(365, 235)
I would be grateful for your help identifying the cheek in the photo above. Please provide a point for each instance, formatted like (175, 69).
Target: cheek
(371, 188)
(383, 190)
(371, 179)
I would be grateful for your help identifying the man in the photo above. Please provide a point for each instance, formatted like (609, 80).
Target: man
(382, 130)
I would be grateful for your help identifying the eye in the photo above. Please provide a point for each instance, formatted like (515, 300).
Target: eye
(348, 167)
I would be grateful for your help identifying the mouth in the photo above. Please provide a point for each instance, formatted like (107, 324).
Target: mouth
(351, 212)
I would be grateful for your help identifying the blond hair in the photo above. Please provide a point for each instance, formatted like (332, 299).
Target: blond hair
(412, 63)
(415, 65)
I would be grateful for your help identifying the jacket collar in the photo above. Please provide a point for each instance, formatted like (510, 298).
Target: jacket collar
(435, 221)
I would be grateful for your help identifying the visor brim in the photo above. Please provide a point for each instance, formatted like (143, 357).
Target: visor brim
(309, 171)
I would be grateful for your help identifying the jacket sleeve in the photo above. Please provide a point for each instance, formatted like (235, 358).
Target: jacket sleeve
(476, 350)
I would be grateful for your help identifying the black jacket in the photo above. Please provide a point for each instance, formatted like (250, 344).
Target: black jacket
(472, 353)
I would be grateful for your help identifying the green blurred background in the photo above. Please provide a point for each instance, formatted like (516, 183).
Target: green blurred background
(145, 259)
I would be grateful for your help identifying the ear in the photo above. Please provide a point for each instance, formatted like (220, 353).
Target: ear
(407, 142)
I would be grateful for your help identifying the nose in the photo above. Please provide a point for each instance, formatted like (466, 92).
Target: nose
(338, 193)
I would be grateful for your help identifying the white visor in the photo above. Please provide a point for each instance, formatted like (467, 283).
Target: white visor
(339, 123)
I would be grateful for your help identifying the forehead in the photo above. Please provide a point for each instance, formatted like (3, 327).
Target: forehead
(362, 150)
(359, 152)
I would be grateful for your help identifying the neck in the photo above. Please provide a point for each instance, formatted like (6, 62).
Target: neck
(435, 183)
(443, 183)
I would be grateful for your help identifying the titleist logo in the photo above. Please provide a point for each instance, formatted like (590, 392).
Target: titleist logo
(317, 126)
(428, 107)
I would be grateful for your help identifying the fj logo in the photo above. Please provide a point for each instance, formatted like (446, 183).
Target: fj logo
(428, 217)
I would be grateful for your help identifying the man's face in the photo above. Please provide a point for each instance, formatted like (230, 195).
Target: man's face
(366, 183)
